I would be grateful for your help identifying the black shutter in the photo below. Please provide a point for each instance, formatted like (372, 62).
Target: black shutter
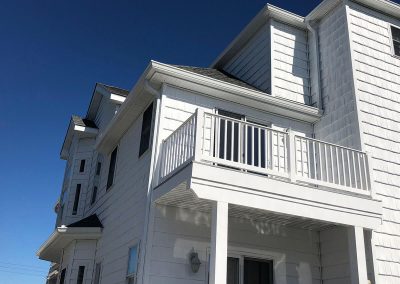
(111, 169)
(146, 129)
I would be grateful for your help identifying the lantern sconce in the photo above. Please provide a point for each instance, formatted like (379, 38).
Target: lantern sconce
(194, 261)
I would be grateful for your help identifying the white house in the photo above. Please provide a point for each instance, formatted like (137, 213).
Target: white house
(280, 163)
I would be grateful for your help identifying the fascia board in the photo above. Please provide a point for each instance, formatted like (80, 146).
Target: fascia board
(171, 75)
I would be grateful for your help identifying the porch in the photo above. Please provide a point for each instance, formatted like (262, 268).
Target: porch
(212, 162)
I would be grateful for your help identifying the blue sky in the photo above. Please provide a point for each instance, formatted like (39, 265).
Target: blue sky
(52, 53)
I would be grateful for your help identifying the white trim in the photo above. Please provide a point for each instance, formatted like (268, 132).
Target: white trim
(391, 40)
(117, 98)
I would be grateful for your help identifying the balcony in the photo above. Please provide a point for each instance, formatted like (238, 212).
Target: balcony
(211, 156)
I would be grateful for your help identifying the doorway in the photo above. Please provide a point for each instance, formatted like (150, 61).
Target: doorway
(248, 270)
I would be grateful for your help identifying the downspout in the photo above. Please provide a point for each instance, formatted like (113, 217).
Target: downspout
(153, 166)
(317, 73)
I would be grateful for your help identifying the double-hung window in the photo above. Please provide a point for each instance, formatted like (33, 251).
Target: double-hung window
(396, 40)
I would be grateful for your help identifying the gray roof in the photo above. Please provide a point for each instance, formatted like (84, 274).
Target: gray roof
(83, 121)
(115, 90)
(218, 75)
(91, 221)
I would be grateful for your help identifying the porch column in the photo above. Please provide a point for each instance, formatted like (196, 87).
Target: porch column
(358, 264)
(219, 243)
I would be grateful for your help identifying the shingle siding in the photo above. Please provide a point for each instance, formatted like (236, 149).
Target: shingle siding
(378, 83)
(252, 63)
(339, 123)
(290, 65)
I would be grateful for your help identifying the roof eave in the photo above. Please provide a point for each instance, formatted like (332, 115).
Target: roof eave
(384, 6)
(82, 131)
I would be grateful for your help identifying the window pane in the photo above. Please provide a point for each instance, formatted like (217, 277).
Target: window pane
(146, 129)
(111, 169)
(82, 166)
(132, 263)
(396, 34)
(94, 195)
(81, 273)
(62, 276)
(76, 200)
(232, 276)
(98, 168)
(396, 47)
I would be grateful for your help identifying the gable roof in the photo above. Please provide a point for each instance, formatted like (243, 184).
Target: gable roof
(91, 221)
(115, 90)
(218, 75)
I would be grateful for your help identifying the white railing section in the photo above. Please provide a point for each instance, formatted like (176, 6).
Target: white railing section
(251, 147)
(178, 148)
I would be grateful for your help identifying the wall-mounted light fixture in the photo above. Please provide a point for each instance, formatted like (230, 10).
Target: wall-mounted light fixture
(194, 261)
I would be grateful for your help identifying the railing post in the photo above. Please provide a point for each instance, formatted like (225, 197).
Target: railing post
(292, 155)
(198, 147)
(370, 178)
(161, 162)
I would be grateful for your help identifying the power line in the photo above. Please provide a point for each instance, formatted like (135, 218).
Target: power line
(22, 273)
(24, 265)
(23, 268)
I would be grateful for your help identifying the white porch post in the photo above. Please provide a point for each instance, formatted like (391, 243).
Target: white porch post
(219, 243)
(358, 264)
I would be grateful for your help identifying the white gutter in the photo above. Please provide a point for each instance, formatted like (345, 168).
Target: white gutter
(317, 63)
(153, 170)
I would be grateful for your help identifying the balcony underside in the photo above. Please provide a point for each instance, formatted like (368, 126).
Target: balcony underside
(255, 196)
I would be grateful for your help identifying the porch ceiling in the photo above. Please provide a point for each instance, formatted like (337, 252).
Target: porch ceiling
(183, 197)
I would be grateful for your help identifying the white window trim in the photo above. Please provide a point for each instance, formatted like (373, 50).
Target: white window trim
(391, 40)
(133, 275)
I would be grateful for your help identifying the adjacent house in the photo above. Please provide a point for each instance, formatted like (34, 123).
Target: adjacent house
(278, 164)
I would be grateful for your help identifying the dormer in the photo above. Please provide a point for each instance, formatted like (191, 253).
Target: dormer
(272, 54)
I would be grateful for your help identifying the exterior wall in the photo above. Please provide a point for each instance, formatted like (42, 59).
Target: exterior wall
(79, 253)
(339, 124)
(177, 231)
(335, 256)
(252, 63)
(290, 65)
(122, 208)
(377, 89)
(178, 105)
(81, 149)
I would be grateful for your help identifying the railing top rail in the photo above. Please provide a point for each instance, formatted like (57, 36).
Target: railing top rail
(180, 126)
(246, 122)
(330, 144)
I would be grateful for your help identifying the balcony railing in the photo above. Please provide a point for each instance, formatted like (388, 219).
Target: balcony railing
(255, 148)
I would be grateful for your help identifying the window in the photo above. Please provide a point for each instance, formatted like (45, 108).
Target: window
(98, 169)
(132, 263)
(146, 129)
(82, 166)
(97, 273)
(94, 195)
(111, 169)
(76, 200)
(81, 272)
(396, 40)
(62, 276)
